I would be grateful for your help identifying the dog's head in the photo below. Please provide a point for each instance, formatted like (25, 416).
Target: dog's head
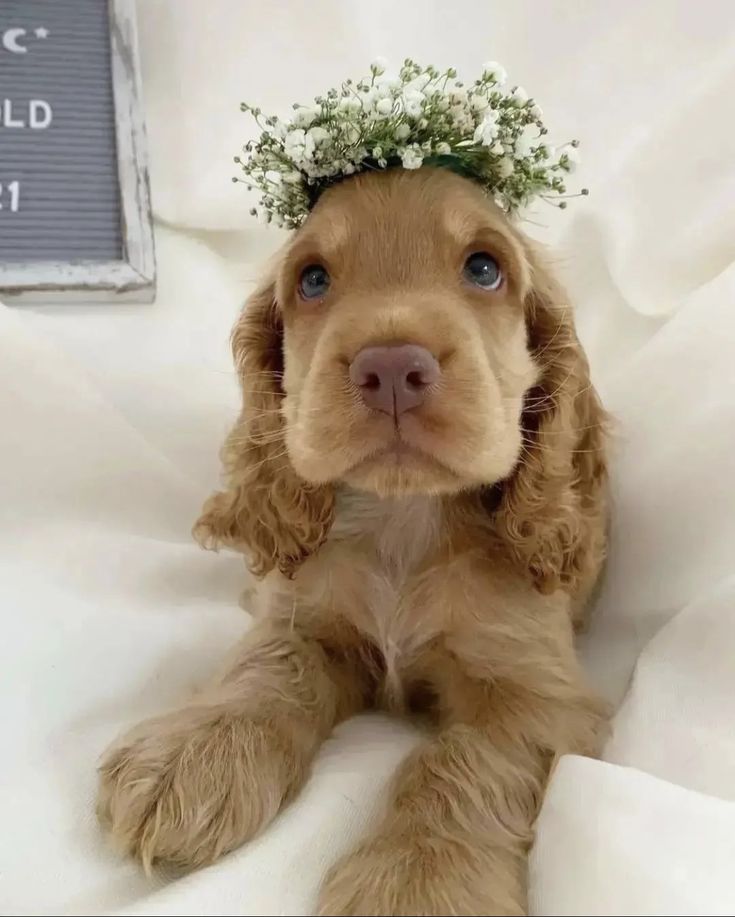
(409, 342)
(406, 358)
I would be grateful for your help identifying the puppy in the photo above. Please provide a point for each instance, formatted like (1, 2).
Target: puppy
(418, 477)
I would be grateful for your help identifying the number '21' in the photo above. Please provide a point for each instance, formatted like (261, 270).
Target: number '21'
(13, 189)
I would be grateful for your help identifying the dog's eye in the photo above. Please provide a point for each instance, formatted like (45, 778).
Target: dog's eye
(483, 270)
(314, 281)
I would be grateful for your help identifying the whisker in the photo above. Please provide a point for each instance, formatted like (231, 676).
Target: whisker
(270, 458)
(263, 391)
(562, 432)
(548, 448)
(555, 334)
(270, 373)
(561, 384)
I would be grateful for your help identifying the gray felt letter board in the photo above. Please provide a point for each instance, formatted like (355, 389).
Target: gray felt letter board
(75, 219)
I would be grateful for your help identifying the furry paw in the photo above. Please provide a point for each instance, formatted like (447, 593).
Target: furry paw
(185, 788)
(406, 875)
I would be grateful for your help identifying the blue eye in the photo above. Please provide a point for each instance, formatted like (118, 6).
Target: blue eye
(314, 281)
(483, 270)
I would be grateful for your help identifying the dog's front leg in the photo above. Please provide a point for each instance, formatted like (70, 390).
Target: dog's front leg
(188, 786)
(460, 823)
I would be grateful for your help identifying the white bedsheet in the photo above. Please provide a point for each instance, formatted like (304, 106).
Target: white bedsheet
(110, 419)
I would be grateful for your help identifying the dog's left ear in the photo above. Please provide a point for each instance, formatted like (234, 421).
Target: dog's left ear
(553, 509)
(267, 511)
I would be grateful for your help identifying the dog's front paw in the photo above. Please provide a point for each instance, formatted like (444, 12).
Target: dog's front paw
(405, 875)
(185, 788)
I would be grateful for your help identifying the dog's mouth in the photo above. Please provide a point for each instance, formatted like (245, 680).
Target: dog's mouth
(423, 452)
(401, 453)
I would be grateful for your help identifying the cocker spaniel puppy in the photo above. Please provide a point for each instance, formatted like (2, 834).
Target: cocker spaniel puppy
(418, 478)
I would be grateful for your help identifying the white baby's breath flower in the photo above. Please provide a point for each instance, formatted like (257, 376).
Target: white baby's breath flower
(418, 83)
(350, 103)
(571, 158)
(305, 116)
(379, 66)
(458, 97)
(309, 147)
(387, 83)
(412, 158)
(319, 135)
(495, 136)
(527, 140)
(487, 129)
(505, 167)
(463, 120)
(495, 71)
(295, 144)
(413, 103)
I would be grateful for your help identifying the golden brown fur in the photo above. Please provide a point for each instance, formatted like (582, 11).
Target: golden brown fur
(436, 565)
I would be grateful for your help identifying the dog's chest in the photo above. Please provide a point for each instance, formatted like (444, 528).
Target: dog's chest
(386, 552)
(398, 535)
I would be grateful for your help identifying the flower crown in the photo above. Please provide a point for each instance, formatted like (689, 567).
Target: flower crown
(421, 117)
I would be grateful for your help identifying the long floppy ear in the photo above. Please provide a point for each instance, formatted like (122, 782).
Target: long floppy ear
(267, 511)
(553, 510)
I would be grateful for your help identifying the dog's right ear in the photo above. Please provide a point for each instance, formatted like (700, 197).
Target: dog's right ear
(554, 508)
(267, 511)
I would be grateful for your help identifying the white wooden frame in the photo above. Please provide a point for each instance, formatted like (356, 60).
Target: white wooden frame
(132, 278)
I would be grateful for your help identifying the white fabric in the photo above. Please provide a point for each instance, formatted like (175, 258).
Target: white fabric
(616, 841)
(110, 420)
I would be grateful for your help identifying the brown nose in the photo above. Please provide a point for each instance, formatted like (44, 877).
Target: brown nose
(394, 379)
